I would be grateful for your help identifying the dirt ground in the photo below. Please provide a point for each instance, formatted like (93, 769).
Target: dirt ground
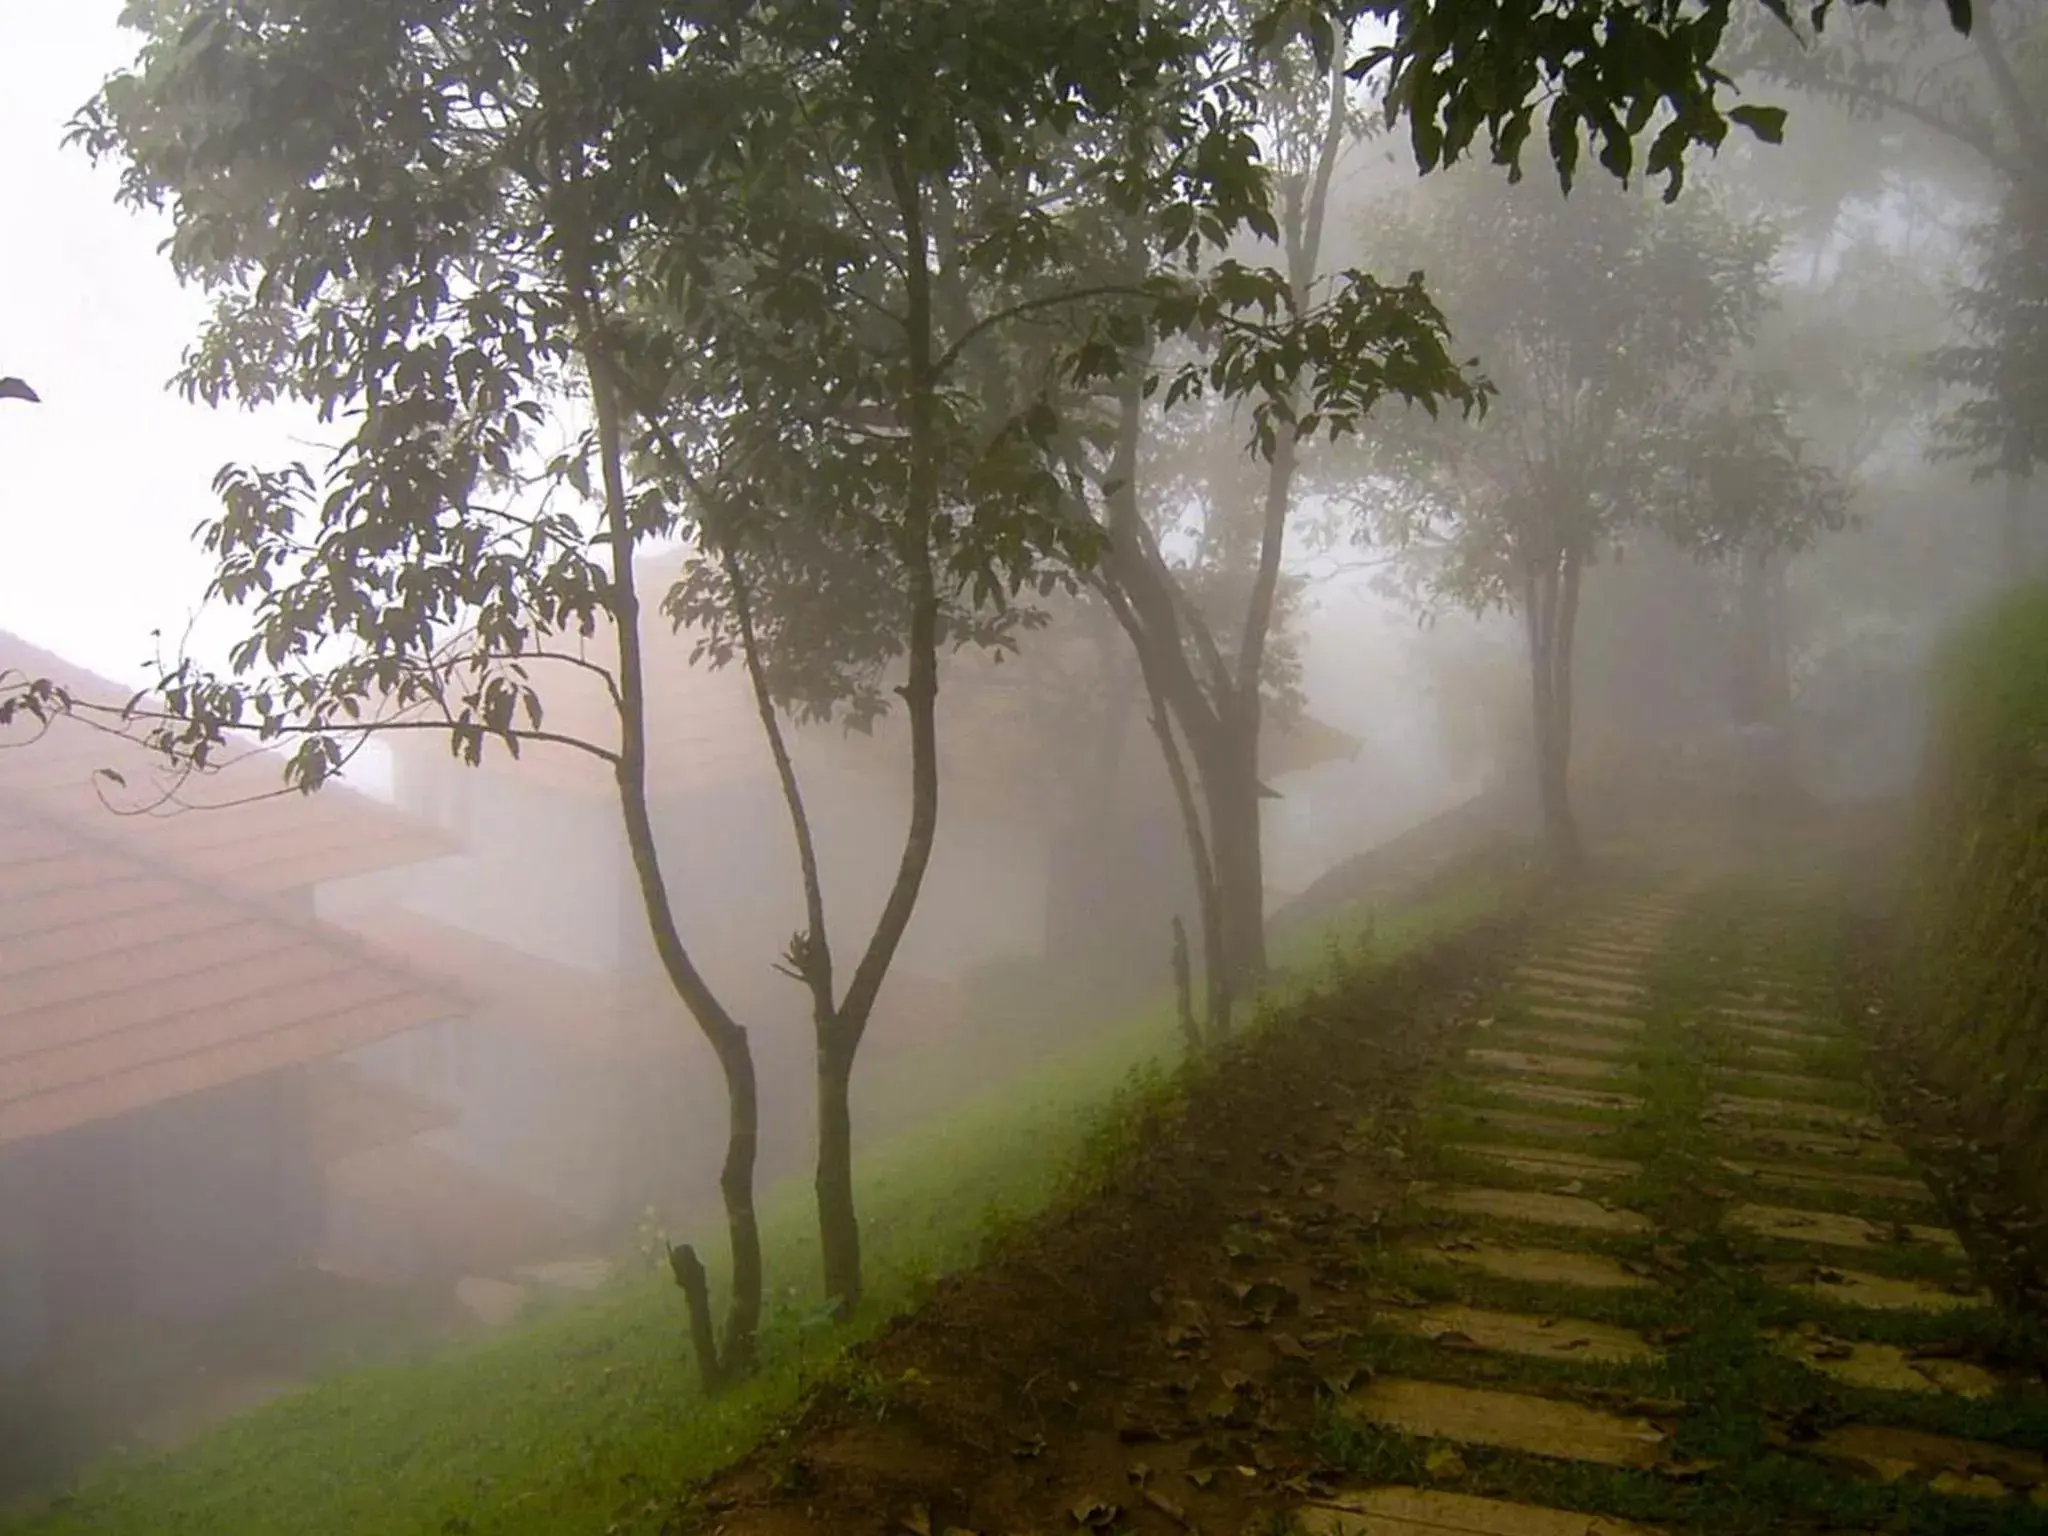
(1155, 1359)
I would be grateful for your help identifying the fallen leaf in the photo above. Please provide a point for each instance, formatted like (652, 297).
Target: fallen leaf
(918, 1522)
(1444, 1461)
(1167, 1507)
(1095, 1514)
(1689, 1470)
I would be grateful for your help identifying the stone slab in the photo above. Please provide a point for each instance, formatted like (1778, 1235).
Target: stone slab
(1535, 1426)
(1581, 957)
(1516, 1333)
(1888, 1368)
(1554, 1163)
(1569, 1042)
(1584, 1013)
(1835, 1230)
(1512, 1122)
(1968, 1468)
(1786, 1111)
(1425, 1512)
(1557, 975)
(1877, 1186)
(1532, 1206)
(1537, 1065)
(1808, 1022)
(1883, 1293)
(1809, 1039)
(1558, 1094)
(1537, 1266)
(1866, 1146)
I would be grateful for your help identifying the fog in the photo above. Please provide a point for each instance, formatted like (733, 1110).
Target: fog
(292, 1084)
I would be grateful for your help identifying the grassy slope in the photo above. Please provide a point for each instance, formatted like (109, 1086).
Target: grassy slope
(586, 1418)
(1983, 864)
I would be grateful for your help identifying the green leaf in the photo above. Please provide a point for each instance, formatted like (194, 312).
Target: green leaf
(1767, 123)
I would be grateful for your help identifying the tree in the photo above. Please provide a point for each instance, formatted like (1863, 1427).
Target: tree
(1203, 624)
(577, 278)
(1606, 324)
(1605, 74)
(1984, 105)
(911, 424)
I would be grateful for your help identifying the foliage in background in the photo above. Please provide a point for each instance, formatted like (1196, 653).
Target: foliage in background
(1982, 897)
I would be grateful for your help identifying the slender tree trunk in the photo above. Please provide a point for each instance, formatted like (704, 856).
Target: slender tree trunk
(1184, 988)
(1550, 601)
(1230, 784)
(839, 1038)
(742, 1222)
(1152, 670)
(1216, 974)
(728, 1040)
(838, 1221)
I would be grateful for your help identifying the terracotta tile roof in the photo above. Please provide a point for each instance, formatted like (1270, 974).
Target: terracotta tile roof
(124, 983)
(519, 991)
(267, 843)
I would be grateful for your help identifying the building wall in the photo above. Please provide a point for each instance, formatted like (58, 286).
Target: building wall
(177, 1212)
(541, 871)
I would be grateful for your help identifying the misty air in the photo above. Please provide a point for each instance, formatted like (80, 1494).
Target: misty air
(996, 767)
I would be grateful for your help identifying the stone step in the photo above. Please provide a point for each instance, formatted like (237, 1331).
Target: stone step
(1785, 1113)
(1568, 1098)
(1886, 1367)
(1583, 1013)
(1809, 1021)
(1533, 1206)
(1832, 1229)
(1965, 1468)
(1877, 1293)
(1869, 1148)
(1579, 981)
(1595, 962)
(1423, 1512)
(1531, 1064)
(1877, 1186)
(1512, 1122)
(1567, 1042)
(1810, 1039)
(1513, 1421)
(1632, 954)
(1549, 1162)
(1516, 1333)
(1535, 1266)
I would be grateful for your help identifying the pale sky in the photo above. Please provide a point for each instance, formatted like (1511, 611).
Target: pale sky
(104, 482)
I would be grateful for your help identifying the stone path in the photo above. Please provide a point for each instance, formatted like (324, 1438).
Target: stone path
(1664, 1266)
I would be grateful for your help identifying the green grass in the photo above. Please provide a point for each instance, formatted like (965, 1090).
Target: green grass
(587, 1418)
